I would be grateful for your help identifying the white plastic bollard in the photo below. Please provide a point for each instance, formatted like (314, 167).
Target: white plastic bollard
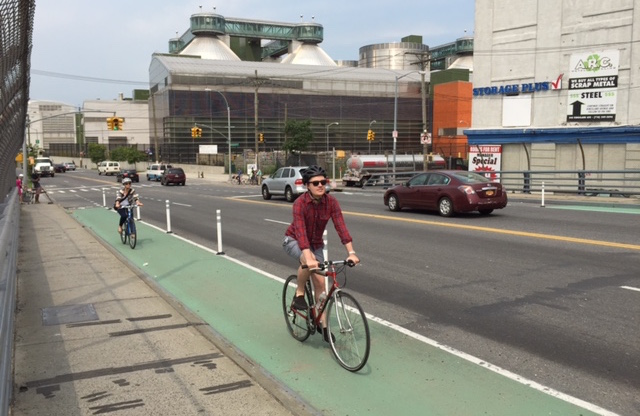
(168, 217)
(219, 231)
(104, 198)
(138, 212)
(542, 204)
(325, 250)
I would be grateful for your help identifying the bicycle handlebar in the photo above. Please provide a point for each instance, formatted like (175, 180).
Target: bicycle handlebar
(327, 263)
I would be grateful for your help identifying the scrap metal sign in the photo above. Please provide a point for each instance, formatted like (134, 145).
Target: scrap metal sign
(593, 86)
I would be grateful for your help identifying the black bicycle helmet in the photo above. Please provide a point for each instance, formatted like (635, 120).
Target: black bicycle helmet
(312, 171)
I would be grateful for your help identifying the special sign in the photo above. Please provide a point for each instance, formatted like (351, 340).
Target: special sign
(593, 86)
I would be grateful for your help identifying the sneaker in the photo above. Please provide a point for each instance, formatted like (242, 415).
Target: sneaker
(299, 303)
(119, 230)
(325, 335)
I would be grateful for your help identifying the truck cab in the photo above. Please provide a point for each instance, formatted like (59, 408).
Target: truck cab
(44, 167)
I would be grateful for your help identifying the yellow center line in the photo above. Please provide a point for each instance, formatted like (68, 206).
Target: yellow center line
(478, 228)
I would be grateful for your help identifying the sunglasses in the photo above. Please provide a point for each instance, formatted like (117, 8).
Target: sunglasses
(318, 183)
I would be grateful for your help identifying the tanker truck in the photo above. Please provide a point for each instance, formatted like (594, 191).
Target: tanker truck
(360, 168)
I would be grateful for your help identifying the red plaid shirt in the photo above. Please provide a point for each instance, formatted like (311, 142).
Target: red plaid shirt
(310, 220)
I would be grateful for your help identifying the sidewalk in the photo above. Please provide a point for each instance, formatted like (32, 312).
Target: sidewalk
(93, 337)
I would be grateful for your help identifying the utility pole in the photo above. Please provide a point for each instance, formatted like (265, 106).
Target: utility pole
(424, 60)
(257, 82)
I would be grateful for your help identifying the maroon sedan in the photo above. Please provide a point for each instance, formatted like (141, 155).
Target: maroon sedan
(448, 192)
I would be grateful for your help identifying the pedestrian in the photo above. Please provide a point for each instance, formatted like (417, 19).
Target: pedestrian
(303, 239)
(259, 176)
(19, 186)
(239, 176)
(125, 197)
(37, 188)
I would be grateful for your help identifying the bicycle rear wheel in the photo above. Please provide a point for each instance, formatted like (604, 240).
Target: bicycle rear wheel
(132, 233)
(348, 324)
(297, 322)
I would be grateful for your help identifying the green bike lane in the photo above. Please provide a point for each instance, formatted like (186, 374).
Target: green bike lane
(404, 374)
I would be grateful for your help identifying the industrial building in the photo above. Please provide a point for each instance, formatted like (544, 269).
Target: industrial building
(555, 87)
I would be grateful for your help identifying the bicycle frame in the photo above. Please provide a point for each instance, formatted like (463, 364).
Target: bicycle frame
(129, 228)
(330, 272)
(345, 320)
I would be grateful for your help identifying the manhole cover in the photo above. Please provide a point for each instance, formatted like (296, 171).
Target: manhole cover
(68, 314)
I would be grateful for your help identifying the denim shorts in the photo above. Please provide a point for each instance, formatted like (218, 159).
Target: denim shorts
(292, 248)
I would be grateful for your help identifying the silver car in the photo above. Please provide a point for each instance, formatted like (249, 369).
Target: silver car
(287, 182)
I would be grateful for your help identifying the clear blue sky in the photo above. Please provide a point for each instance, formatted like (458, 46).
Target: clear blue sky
(86, 50)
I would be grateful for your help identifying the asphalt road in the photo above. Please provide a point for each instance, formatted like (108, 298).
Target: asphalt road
(545, 293)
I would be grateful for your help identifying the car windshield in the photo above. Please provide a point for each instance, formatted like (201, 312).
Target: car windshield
(471, 177)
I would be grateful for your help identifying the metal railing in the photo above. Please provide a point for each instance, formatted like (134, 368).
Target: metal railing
(623, 183)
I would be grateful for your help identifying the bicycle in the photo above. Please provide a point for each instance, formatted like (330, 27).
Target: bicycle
(129, 228)
(345, 318)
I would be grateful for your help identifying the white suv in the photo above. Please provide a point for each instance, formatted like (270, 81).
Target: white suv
(288, 182)
(154, 172)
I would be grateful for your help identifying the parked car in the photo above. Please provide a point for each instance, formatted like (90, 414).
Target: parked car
(128, 173)
(59, 168)
(69, 165)
(173, 175)
(108, 168)
(154, 172)
(448, 192)
(286, 182)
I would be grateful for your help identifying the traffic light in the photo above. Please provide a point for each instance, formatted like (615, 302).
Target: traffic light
(369, 135)
(373, 135)
(110, 123)
(117, 123)
(199, 132)
(261, 137)
(194, 132)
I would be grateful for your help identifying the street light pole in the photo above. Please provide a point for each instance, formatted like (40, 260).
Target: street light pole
(335, 123)
(395, 118)
(228, 123)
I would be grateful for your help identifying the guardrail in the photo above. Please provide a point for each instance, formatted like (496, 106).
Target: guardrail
(9, 231)
(623, 183)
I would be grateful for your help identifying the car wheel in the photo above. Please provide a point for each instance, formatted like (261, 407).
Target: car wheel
(288, 194)
(183, 183)
(485, 211)
(445, 207)
(394, 204)
(148, 178)
(265, 192)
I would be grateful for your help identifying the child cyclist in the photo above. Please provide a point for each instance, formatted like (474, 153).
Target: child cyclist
(125, 197)
(303, 239)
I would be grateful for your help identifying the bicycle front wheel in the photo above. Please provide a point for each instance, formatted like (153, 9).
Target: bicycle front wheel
(296, 319)
(123, 234)
(348, 324)
(132, 233)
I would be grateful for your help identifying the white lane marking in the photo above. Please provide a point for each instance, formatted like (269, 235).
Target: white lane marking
(637, 289)
(277, 222)
(468, 357)
(182, 205)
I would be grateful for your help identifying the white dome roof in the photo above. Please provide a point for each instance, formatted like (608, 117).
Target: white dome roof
(210, 47)
(309, 54)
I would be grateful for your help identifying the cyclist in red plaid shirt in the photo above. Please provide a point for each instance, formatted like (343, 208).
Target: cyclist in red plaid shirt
(303, 238)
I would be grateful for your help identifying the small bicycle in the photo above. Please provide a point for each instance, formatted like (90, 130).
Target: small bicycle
(129, 228)
(345, 318)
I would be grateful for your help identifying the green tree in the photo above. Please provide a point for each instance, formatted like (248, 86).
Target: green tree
(298, 135)
(129, 154)
(97, 152)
